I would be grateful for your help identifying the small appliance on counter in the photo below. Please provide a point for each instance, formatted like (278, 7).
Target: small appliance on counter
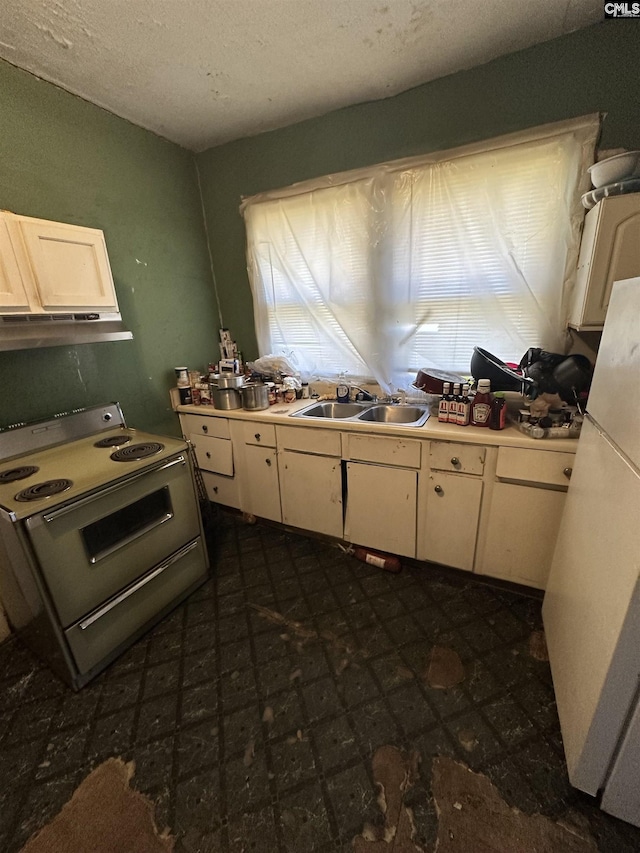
(100, 536)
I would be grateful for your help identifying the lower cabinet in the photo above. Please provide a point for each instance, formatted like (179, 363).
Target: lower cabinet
(448, 519)
(311, 492)
(523, 518)
(492, 510)
(382, 507)
(521, 533)
(261, 487)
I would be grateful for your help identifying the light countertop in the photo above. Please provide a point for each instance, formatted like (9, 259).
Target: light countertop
(280, 414)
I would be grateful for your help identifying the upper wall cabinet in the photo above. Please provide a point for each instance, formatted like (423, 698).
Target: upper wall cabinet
(51, 267)
(13, 293)
(610, 251)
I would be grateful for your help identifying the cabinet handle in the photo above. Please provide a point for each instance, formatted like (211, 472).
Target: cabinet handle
(567, 473)
(215, 490)
(205, 428)
(438, 490)
(257, 436)
(268, 461)
(455, 460)
(208, 455)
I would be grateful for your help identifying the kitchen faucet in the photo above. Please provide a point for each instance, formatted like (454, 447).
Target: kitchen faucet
(364, 395)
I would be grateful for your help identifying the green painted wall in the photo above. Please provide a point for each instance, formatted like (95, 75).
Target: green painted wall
(62, 158)
(593, 70)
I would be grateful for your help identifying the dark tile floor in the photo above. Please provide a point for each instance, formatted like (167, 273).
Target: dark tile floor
(252, 733)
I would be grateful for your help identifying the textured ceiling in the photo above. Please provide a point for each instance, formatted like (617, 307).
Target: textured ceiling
(203, 72)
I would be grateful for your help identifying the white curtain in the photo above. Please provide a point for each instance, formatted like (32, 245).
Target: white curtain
(383, 271)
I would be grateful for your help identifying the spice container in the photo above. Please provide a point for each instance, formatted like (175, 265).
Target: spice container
(182, 377)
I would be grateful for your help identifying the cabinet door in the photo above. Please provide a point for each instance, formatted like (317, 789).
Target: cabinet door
(448, 521)
(12, 291)
(610, 251)
(70, 266)
(311, 490)
(521, 533)
(381, 508)
(262, 496)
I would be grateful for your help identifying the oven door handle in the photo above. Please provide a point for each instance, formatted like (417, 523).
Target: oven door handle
(51, 516)
(129, 539)
(102, 611)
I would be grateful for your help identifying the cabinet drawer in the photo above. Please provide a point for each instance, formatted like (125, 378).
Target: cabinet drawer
(534, 466)
(398, 452)
(213, 454)
(320, 441)
(464, 458)
(222, 490)
(202, 425)
(256, 433)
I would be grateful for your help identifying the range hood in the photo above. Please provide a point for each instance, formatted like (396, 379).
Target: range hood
(31, 331)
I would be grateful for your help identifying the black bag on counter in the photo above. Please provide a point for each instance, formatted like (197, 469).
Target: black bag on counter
(554, 373)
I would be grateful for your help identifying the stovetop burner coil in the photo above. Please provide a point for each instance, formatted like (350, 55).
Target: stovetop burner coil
(44, 490)
(137, 451)
(113, 441)
(20, 473)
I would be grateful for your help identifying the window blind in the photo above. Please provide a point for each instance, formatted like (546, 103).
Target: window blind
(412, 264)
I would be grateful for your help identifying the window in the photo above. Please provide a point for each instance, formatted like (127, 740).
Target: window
(411, 264)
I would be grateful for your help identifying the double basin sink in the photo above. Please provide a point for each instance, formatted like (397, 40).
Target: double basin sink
(380, 413)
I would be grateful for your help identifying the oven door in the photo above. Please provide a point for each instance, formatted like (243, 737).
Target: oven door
(91, 549)
(98, 634)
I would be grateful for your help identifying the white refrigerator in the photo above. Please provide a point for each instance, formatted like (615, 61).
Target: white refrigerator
(591, 609)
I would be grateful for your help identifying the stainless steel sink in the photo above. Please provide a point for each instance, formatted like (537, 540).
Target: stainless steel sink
(335, 411)
(398, 415)
(407, 415)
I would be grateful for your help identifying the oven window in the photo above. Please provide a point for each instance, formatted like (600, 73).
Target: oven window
(114, 531)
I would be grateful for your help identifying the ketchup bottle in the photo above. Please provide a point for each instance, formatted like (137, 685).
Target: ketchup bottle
(481, 406)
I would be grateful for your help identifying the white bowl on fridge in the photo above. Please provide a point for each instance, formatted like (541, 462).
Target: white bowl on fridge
(616, 168)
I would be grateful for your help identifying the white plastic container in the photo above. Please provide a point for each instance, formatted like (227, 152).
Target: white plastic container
(616, 168)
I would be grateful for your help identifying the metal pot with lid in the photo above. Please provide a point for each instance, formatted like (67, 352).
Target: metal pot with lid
(227, 380)
(255, 396)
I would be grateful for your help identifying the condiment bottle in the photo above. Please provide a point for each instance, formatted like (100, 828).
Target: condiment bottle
(498, 411)
(464, 407)
(452, 411)
(481, 406)
(443, 406)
